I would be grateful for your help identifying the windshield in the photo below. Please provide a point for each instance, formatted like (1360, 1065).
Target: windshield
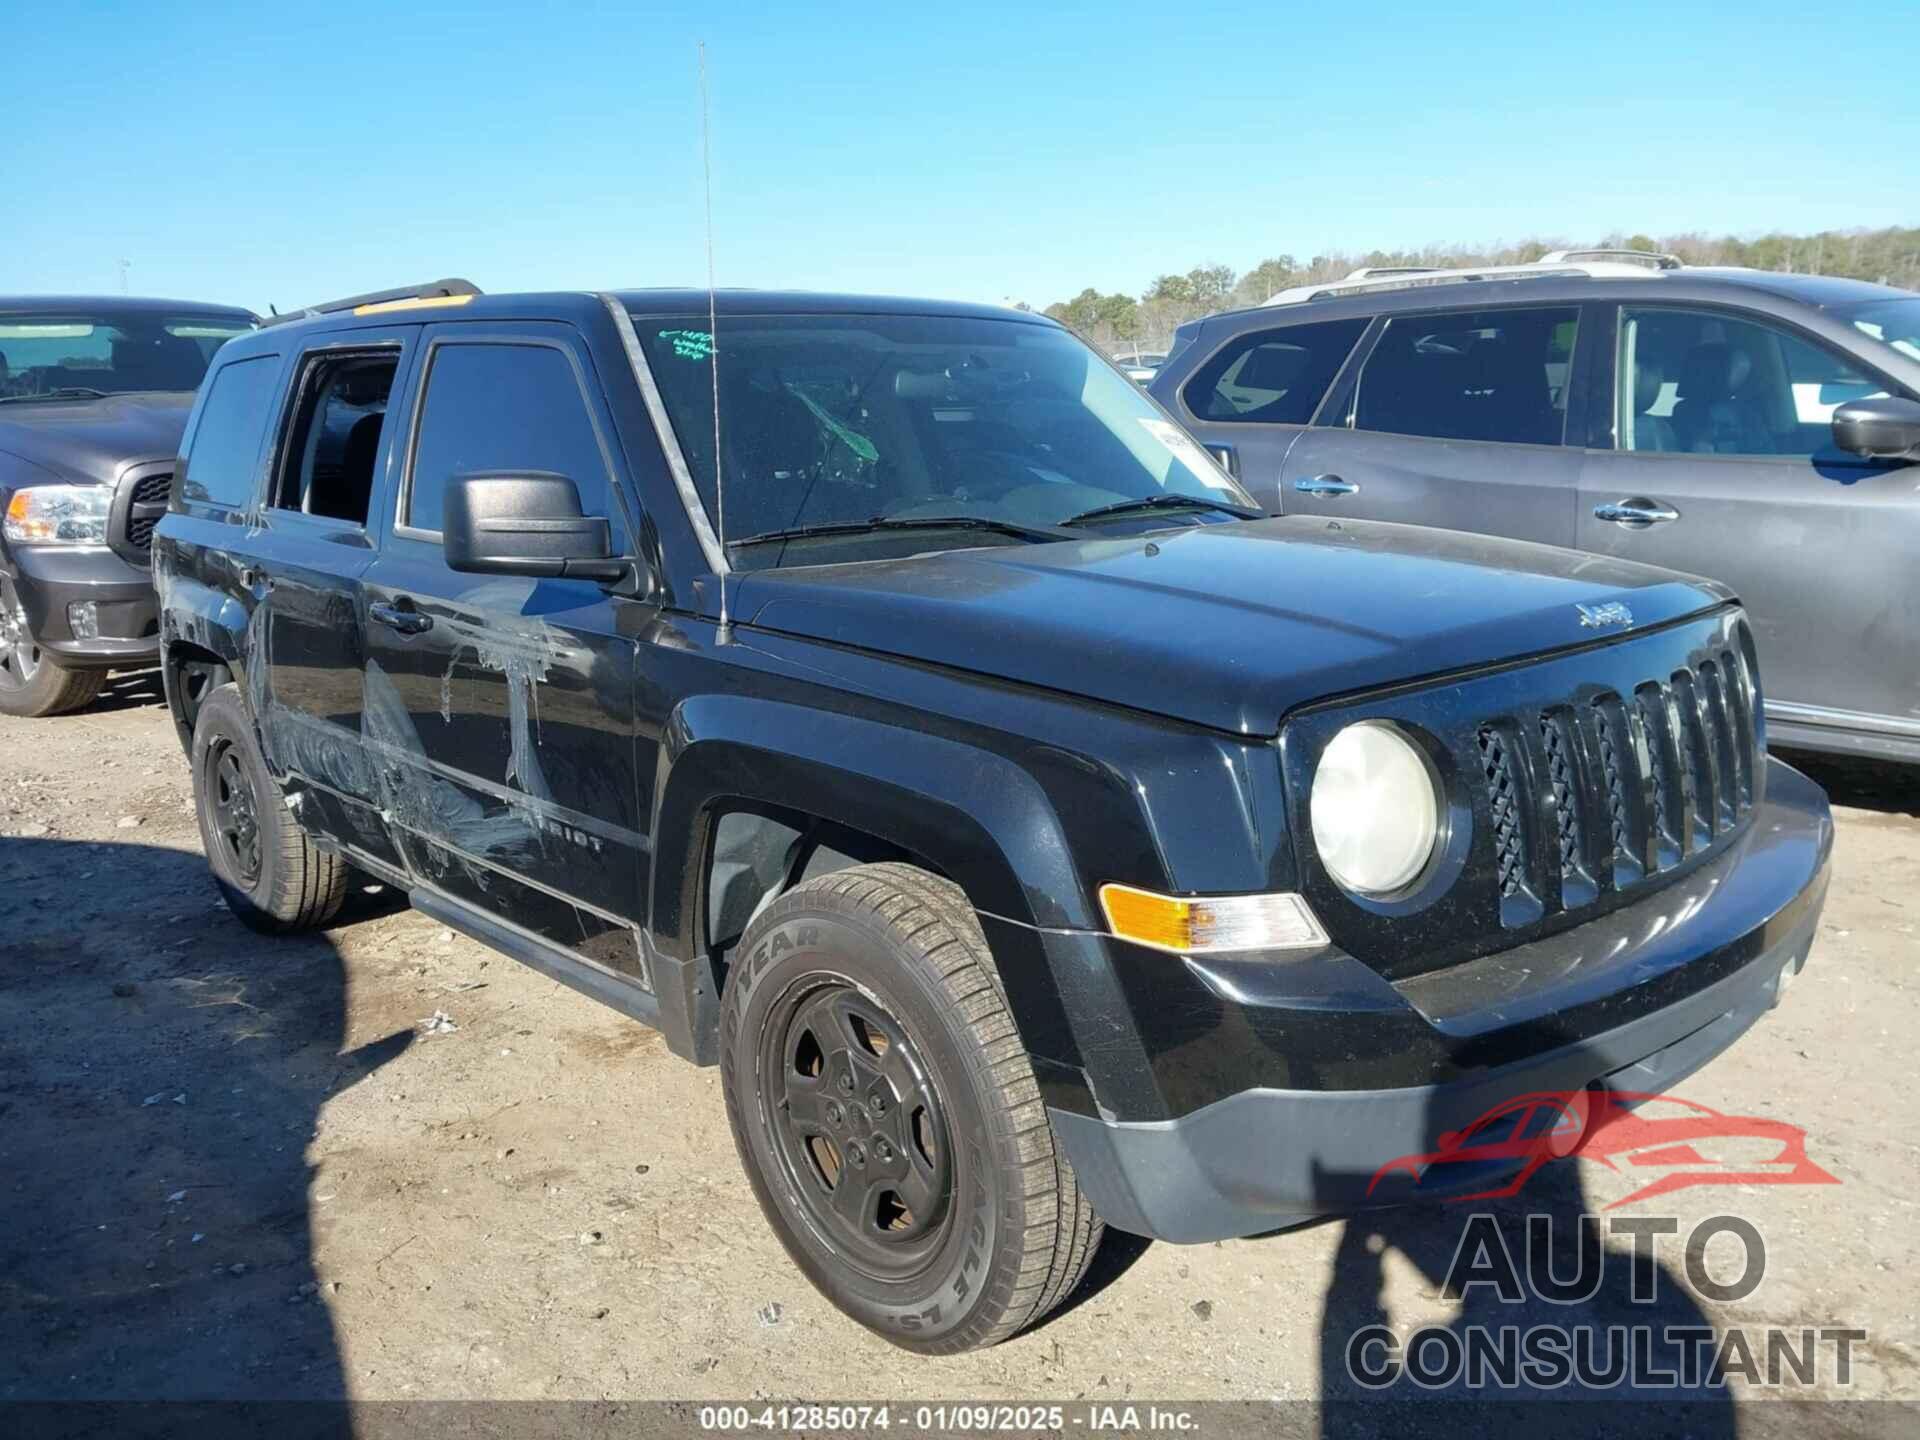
(1891, 322)
(838, 421)
(109, 353)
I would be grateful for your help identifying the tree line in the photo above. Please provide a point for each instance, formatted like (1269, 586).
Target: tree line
(1121, 322)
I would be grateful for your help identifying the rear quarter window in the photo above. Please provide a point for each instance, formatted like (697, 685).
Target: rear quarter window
(1272, 377)
(224, 459)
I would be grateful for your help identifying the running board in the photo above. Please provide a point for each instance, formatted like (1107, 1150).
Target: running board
(549, 959)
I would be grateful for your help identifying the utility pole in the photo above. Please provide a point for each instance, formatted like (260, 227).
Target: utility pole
(125, 265)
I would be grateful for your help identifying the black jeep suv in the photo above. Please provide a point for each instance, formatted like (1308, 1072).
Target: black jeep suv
(930, 738)
(93, 396)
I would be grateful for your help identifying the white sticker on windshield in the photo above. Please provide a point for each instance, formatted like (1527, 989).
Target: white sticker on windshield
(1187, 451)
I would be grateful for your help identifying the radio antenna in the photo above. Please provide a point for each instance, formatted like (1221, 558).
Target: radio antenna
(713, 334)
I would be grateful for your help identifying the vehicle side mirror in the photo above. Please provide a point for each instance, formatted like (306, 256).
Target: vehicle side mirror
(525, 523)
(1887, 428)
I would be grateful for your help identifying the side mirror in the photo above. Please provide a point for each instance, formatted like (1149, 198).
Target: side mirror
(1887, 428)
(525, 523)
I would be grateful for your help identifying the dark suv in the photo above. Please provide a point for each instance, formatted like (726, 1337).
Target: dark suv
(1761, 429)
(93, 395)
(930, 739)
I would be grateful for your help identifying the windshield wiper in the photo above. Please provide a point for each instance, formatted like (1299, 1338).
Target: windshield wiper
(65, 392)
(1162, 502)
(902, 522)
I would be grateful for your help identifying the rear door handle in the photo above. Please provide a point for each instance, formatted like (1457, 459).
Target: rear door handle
(1638, 513)
(1326, 485)
(405, 619)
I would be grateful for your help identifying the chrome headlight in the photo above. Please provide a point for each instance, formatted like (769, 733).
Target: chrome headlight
(1375, 809)
(58, 515)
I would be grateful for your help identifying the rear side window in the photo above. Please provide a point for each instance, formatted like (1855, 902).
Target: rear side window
(1496, 375)
(328, 466)
(233, 423)
(501, 406)
(1273, 377)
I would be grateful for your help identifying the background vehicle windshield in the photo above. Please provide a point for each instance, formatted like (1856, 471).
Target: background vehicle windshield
(40, 354)
(1891, 322)
(840, 419)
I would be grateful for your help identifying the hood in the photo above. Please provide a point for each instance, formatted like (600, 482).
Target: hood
(1229, 626)
(81, 440)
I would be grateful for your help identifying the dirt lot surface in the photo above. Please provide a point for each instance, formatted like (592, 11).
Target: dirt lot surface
(234, 1167)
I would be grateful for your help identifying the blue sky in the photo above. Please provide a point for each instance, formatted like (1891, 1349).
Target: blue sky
(988, 151)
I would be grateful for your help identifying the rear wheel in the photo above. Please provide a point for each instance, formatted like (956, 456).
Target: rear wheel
(272, 874)
(888, 1117)
(32, 682)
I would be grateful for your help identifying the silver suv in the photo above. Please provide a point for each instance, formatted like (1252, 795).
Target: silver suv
(1757, 428)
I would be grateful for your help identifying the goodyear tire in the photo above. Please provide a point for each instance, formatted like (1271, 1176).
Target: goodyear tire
(887, 1113)
(273, 876)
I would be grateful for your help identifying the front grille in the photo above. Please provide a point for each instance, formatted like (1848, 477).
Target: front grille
(1503, 799)
(1576, 783)
(1624, 786)
(148, 504)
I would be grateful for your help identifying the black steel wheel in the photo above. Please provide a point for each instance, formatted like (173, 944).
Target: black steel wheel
(272, 874)
(887, 1114)
(858, 1125)
(236, 813)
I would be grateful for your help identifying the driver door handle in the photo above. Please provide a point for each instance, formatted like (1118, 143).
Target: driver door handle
(1326, 485)
(405, 619)
(1638, 512)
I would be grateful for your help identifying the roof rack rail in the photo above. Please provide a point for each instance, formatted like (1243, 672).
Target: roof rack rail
(1581, 264)
(1421, 280)
(1655, 259)
(450, 291)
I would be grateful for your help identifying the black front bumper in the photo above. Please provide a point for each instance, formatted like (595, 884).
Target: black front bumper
(1637, 999)
(50, 578)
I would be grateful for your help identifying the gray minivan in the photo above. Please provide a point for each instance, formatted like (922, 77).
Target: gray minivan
(1757, 428)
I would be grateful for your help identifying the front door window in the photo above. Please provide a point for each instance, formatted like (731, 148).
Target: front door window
(1703, 382)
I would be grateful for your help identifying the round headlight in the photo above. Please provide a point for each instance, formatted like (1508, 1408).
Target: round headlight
(1375, 809)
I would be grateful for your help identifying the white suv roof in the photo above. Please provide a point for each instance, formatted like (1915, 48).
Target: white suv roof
(1593, 264)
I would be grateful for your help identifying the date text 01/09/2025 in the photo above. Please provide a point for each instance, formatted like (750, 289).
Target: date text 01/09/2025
(936, 1418)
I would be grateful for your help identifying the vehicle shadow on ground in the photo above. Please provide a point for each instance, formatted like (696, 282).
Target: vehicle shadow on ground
(132, 690)
(1530, 1254)
(1861, 784)
(163, 1072)
(1610, 1320)
(1484, 1273)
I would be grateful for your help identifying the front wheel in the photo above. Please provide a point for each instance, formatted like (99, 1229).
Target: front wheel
(887, 1114)
(32, 682)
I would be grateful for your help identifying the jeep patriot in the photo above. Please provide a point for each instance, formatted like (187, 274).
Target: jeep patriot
(941, 743)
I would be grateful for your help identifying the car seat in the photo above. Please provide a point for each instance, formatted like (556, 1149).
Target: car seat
(773, 452)
(1651, 432)
(1714, 415)
(349, 497)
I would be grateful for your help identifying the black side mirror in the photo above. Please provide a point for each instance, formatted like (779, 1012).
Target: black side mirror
(1887, 428)
(525, 523)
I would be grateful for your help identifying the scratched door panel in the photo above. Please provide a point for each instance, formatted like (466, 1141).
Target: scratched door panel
(505, 737)
(502, 706)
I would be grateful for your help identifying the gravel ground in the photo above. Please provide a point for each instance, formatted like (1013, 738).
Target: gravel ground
(240, 1167)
